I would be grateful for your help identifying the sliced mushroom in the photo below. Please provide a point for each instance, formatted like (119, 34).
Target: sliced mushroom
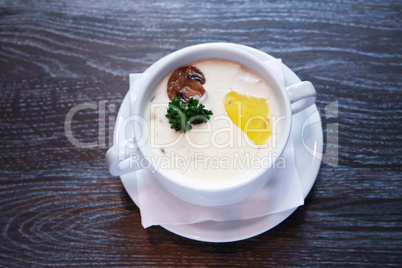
(186, 82)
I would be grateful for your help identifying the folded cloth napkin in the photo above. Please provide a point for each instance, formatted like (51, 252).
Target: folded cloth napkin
(282, 192)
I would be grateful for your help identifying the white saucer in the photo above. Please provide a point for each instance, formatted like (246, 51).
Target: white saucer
(308, 145)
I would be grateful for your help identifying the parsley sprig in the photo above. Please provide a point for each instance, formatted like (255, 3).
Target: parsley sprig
(181, 117)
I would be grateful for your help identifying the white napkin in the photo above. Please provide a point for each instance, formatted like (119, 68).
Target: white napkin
(159, 207)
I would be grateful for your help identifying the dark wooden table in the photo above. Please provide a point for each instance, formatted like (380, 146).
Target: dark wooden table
(59, 205)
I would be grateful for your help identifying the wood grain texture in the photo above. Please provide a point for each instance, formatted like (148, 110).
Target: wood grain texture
(60, 207)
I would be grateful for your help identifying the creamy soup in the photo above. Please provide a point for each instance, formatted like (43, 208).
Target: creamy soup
(217, 150)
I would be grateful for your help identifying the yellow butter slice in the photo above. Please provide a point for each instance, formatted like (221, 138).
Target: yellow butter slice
(250, 114)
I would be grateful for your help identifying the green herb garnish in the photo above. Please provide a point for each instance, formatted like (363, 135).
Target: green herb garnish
(181, 117)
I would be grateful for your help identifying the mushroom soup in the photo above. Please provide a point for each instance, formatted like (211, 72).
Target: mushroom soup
(236, 141)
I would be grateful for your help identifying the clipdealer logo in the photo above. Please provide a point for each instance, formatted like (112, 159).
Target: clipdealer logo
(106, 128)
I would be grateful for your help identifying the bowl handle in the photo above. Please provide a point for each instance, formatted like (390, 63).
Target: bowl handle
(123, 157)
(301, 95)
